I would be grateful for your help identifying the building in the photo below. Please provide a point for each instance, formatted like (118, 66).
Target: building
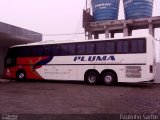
(11, 35)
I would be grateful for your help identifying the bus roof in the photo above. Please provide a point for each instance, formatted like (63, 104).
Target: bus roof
(76, 41)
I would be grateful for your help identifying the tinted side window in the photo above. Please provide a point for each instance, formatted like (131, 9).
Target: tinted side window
(119, 46)
(134, 46)
(100, 47)
(89, 48)
(110, 47)
(48, 50)
(11, 52)
(141, 46)
(10, 62)
(56, 50)
(72, 49)
(125, 46)
(81, 48)
(138, 46)
(64, 49)
(23, 51)
(36, 50)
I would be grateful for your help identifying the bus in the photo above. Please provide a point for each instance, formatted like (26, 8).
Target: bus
(108, 61)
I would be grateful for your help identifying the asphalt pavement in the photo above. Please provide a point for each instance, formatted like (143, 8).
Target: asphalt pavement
(68, 100)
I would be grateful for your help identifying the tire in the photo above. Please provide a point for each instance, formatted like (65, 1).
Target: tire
(92, 77)
(21, 76)
(109, 78)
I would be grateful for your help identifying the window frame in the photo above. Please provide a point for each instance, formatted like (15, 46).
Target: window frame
(56, 49)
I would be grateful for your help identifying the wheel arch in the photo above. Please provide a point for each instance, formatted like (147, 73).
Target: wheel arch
(89, 70)
(20, 70)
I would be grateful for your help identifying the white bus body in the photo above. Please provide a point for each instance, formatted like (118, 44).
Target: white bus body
(126, 67)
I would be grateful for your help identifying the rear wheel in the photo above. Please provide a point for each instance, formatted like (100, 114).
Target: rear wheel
(92, 77)
(109, 78)
(21, 75)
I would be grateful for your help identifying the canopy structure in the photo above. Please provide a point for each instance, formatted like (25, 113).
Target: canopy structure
(12, 35)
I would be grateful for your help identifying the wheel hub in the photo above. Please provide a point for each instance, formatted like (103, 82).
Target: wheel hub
(21, 76)
(108, 79)
(92, 79)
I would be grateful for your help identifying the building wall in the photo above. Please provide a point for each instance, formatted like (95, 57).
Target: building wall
(157, 72)
(3, 52)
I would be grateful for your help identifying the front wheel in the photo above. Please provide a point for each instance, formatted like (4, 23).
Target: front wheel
(109, 78)
(21, 76)
(92, 77)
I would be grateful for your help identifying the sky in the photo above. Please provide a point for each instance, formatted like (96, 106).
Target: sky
(43, 16)
(52, 17)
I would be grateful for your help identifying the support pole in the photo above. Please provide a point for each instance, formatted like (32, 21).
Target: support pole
(86, 4)
(96, 36)
(129, 32)
(151, 29)
(125, 30)
(89, 35)
(107, 33)
(112, 34)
